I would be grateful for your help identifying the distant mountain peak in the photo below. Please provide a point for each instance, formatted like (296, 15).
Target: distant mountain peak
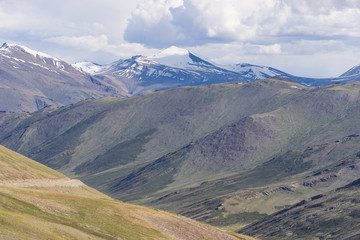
(138, 59)
(171, 51)
(4, 46)
(10, 47)
(88, 67)
(181, 58)
(352, 71)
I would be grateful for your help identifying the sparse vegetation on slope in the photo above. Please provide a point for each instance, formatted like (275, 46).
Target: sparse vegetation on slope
(227, 154)
(79, 212)
(14, 166)
(282, 181)
(333, 215)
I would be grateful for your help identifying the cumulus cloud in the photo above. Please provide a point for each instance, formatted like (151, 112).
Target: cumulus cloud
(8, 19)
(196, 22)
(43, 18)
(264, 32)
(100, 43)
(153, 18)
(92, 43)
(269, 49)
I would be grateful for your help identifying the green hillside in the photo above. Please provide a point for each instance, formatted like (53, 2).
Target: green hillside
(51, 211)
(14, 166)
(334, 215)
(227, 154)
(242, 198)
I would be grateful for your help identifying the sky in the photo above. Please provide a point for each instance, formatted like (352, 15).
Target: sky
(302, 37)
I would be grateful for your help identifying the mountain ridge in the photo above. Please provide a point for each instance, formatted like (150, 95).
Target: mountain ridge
(205, 151)
(30, 80)
(43, 80)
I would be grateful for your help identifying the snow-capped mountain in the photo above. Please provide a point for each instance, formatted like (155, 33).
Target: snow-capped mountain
(354, 71)
(176, 67)
(183, 59)
(88, 67)
(140, 74)
(17, 53)
(256, 72)
(30, 80)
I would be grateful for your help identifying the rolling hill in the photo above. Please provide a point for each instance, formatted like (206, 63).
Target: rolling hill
(228, 154)
(40, 203)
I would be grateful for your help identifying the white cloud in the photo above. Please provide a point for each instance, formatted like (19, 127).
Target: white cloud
(326, 58)
(8, 19)
(91, 43)
(267, 32)
(269, 49)
(196, 22)
(101, 44)
(151, 23)
(43, 18)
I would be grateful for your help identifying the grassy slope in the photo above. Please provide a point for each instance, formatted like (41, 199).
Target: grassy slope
(333, 215)
(245, 197)
(81, 212)
(146, 127)
(177, 116)
(322, 115)
(14, 166)
(200, 145)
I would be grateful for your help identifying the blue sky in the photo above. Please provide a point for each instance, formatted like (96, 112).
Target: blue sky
(304, 37)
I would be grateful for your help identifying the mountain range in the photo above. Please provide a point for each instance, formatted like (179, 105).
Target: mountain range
(247, 148)
(31, 80)
(228, 154)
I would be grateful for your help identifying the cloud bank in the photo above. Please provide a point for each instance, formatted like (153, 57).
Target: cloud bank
(304, 37)
(162, 23)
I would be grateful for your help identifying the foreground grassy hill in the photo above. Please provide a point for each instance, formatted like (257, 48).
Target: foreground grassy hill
(228, 154)
(17, 167)
(39, 203)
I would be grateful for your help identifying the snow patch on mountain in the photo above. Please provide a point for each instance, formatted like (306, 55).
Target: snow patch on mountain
(10, 50)
(181, 58)
(173, 56)
(171, 51)
(254, 71)
(9, 46)
(351, 72)
(88, 67)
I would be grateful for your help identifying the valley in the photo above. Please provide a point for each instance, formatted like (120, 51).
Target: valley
(229, 154)
(180, 120)
(243, 147)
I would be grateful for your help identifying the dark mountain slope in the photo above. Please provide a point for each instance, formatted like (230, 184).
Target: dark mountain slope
(281, 181)
(320, 116)
(197, 150)
(171, 119)
(333, 215)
